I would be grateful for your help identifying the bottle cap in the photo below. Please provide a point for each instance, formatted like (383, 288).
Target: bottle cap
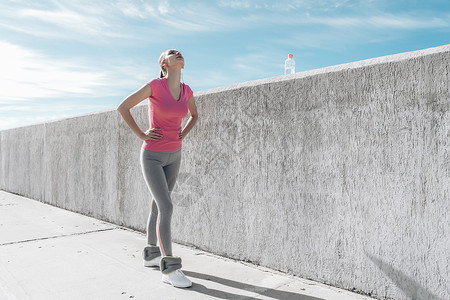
(290, 56)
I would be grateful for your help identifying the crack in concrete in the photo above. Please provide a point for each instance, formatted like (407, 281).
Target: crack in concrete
(57, 236)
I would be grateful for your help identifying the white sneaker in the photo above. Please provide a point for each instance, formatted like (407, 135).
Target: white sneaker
(152, 263)
(177, 279)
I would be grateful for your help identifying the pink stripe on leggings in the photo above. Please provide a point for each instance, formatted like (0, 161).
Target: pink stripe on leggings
(160, 242)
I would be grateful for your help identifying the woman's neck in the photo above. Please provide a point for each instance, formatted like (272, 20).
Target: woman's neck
(173, 77)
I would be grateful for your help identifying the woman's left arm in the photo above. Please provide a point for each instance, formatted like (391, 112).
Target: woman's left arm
(192, 120)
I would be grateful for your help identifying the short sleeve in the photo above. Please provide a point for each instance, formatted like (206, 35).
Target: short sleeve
(189, 92)
(155, 85)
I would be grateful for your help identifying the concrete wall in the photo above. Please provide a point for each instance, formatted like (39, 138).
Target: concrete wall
(339, 174)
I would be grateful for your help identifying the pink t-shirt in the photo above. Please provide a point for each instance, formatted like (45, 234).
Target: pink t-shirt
(166, 113)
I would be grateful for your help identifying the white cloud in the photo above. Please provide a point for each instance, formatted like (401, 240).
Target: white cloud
(408, 22)
(164, 8)
(131, 10)
(73, 21)
(13, 108)
(381, 21)
(105, 19)
(287, 5)
(149, 9)
(334, 13)
(378, 20)
(27, 75)
(67, 19)
(163, 15)
(242, 4)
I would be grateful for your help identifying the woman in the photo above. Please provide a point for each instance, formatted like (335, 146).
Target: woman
(169, 102)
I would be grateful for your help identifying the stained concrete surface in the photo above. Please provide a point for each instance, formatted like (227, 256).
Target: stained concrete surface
(50, 253)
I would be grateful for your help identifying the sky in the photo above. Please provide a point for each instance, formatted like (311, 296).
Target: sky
(60, 59)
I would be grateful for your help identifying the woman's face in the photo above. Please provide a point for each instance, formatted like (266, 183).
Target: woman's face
(174, 57)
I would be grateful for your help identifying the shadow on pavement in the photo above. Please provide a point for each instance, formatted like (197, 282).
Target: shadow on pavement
(269, 292)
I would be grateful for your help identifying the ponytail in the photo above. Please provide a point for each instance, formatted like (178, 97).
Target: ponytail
(162, 73)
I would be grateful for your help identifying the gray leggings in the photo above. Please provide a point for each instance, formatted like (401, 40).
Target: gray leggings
(160, 170)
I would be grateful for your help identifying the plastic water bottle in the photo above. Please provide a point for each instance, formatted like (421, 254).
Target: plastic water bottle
(289, 65)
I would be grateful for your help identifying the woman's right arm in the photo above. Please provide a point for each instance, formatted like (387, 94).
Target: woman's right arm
(131, 101)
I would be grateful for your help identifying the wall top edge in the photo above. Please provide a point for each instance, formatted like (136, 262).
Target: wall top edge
(66, 118)
(352, 65)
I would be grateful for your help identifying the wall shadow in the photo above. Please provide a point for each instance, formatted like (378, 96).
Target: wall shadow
(408, 285)
(269, 292)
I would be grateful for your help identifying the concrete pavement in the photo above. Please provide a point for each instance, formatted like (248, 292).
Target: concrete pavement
(50, 253)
